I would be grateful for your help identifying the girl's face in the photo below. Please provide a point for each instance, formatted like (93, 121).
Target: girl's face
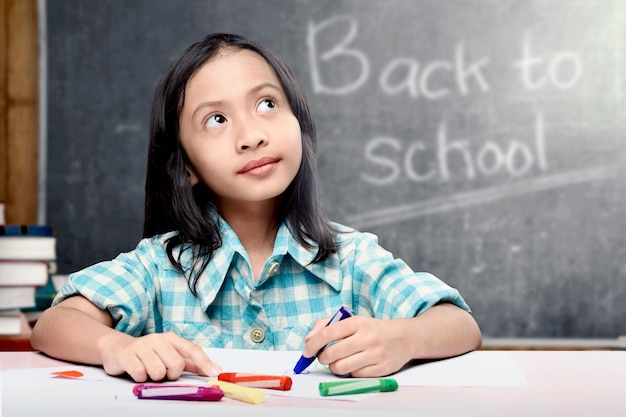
(237, 128)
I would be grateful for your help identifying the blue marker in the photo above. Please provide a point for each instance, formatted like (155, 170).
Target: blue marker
(303, 362)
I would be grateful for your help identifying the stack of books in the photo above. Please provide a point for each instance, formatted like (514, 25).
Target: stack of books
(27, 262)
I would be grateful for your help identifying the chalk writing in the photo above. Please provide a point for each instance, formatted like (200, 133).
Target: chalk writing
(402, 74)
(459, 72)
(332, 50)
(516, 159)
(338, 51)
(563, 70)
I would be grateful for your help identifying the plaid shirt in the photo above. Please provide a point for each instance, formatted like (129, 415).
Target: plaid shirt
(145, 293)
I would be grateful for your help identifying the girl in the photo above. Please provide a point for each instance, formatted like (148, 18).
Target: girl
(236, 251)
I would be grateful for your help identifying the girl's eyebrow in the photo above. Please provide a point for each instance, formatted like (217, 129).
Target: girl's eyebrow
(216, 103)
(253, 91)
(262, 86)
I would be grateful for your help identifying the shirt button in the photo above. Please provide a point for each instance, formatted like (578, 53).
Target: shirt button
(273, 269)
(257, 334)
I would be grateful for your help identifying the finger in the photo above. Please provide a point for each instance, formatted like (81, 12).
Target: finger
(341, 350)
(317, 326)
(369, 372)
(126, 362)
(136, 369)
(351, 364)
(325, 336)
(197, 360)
(153, 365)
(377, 368)
(360, 359)
(113, 368)
(353, 351)
(191, 366)
(172, 360)
(339, 331)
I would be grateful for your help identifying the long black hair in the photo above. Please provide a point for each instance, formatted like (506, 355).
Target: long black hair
(172, 204)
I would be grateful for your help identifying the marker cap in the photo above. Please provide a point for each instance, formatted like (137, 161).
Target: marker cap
(302, 364)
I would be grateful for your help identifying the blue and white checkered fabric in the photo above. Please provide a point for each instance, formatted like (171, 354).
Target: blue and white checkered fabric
(145, 293)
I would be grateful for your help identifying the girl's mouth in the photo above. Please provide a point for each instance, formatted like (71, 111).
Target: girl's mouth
(259, 166)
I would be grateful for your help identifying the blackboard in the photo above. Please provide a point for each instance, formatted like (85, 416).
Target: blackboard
(482, 141)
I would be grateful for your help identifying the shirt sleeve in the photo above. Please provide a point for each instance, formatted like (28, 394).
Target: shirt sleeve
(389, 288)
(123, 286)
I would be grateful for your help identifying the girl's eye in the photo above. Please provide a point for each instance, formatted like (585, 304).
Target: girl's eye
(215, 120)
(266, 104)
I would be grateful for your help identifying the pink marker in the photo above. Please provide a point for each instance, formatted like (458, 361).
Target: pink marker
(177, 392)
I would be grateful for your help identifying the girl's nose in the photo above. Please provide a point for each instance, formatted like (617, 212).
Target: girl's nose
(261, 142)
(251, 136)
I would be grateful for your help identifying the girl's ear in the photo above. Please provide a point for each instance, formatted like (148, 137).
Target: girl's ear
(191, 173)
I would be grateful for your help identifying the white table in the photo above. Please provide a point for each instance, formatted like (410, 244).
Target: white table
(562, 383)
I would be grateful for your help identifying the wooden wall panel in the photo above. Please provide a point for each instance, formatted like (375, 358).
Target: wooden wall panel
(19, 141)
(3, 101)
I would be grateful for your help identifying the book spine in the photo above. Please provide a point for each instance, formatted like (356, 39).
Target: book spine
(26, 230)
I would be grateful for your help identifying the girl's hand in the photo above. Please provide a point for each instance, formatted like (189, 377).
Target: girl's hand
(365, 347)
(156, 356)
(369, 347)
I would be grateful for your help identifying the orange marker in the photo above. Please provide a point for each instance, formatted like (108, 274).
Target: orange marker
(278, 382)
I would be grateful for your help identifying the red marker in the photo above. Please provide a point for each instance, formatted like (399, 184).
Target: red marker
(278, 382)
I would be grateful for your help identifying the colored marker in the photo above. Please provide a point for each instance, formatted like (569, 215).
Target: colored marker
(84, 375)
(177, 392)
(304, 362)
(69, 374)
(239, 392)
(358, 386)
(277, 382)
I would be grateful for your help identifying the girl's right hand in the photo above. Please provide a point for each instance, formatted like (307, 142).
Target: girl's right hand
(156, 356)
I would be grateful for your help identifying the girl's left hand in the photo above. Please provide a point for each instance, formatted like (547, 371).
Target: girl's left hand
(365, 347)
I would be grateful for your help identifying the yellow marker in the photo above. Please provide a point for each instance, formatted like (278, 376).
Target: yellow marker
(239, 392)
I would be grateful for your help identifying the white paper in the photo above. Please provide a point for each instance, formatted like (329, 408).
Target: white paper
(476, 369)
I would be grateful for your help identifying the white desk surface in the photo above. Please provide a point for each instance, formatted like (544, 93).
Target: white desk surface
(561, 383)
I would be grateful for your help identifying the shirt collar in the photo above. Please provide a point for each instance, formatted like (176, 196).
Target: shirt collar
(211, 280)
(327, 270)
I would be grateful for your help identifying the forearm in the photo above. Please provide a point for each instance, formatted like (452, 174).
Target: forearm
(70, 333)
(442, 331)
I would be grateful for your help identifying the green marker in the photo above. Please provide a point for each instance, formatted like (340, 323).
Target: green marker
(358, 386)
